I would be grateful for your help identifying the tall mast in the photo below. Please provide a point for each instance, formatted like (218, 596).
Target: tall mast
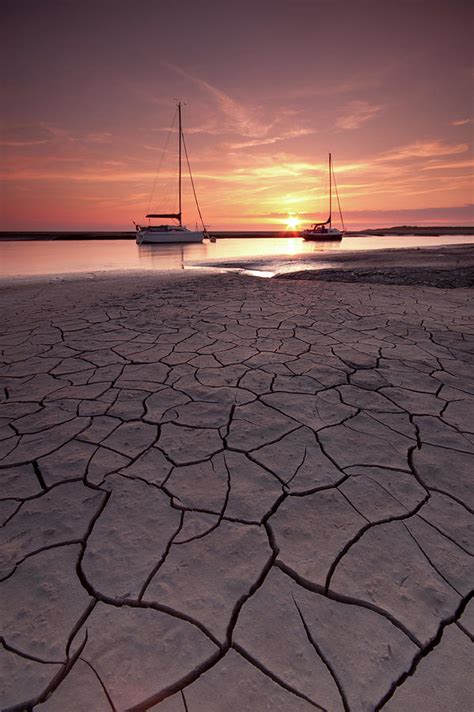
(330, 191)
(180, 131)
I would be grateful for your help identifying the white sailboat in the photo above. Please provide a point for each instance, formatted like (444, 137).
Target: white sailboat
(325, 230)
(175, 232)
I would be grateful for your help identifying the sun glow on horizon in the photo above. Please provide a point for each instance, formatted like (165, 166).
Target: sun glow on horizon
(292, 222)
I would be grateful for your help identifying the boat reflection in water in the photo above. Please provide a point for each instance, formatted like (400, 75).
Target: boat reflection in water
(42, 257)
(222, 253)
(47, 257)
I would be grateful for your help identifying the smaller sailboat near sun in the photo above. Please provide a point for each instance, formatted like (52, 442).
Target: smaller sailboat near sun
(175, 232)
(325, 230)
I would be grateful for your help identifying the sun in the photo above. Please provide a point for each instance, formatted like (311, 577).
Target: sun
(292, 222)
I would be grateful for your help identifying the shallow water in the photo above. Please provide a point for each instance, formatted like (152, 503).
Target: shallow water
(28, 258)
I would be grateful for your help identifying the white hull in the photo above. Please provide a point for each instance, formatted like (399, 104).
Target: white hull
(168, 237)
(331, 234)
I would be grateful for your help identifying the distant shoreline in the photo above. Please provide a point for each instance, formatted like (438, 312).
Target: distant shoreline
(403, 230)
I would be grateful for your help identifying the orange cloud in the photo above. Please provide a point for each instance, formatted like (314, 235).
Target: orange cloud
(238, 117)
(295, 133)
(425, 149)
(357, 114)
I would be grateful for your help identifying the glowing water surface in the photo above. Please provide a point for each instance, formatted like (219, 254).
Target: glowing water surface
(28, 258)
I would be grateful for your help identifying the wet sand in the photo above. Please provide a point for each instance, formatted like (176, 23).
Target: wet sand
(447, 266)
(442, 267)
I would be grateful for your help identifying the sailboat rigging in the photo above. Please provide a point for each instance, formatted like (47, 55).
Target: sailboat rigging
(324, 230)
(163, 234)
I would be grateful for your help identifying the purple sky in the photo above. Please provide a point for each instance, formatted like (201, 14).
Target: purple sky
(271, 86)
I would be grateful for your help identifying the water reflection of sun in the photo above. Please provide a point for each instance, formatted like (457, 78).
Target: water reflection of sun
(292, 222)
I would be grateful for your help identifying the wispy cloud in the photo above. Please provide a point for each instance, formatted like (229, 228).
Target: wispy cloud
(98, 137)
(238, 117)
(458, 165)
(226, 116)
(24, 135)
(425, 149)
(358, 113)
(277, 170)
(46, 133)
(22, 144)
(285, 136)
(60, 134)
(87, 176)
(433, 215)
(461, 122)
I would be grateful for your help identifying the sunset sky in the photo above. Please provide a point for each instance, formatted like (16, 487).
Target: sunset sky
(271, 86)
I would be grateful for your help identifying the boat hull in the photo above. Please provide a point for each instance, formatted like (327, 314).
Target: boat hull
(328, 236)
(168, 237)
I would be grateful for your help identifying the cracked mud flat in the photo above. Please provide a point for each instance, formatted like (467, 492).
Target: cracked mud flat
(428, 277)
(223, 494)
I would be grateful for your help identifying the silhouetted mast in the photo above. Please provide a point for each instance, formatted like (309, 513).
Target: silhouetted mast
(330, 190)
(180, 130)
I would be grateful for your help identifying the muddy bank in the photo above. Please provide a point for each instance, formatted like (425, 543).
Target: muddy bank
(443, 267)
(414, 277)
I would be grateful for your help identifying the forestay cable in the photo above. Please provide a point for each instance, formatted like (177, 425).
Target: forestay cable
(192, 184)
(338, 201)
(165, 147)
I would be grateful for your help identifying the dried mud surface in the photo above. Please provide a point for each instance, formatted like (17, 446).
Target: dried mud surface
(417, 277)
(226, 494)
